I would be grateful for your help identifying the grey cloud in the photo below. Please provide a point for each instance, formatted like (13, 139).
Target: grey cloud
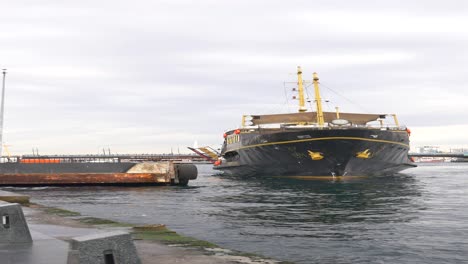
(107, 72)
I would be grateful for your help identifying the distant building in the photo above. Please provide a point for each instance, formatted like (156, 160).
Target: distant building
(428, 150)
(459, 150)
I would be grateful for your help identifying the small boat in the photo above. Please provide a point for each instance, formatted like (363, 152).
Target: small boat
(313, 143)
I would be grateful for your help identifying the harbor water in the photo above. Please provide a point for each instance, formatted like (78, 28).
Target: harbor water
(420, 216)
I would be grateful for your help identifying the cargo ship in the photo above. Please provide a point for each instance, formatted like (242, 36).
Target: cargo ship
(93, 170)
(315, 143)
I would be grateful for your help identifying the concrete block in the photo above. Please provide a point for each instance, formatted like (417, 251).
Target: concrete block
(103, 248)
(13, 226)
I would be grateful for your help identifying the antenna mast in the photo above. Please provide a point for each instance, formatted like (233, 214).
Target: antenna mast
(1, 112)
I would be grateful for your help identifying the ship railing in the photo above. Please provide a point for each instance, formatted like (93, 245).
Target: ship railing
(386, 127)
(54, 160)
(117, 158)
(294, 126)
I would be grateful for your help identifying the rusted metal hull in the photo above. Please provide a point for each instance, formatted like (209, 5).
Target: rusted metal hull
(84, 179)
(147, 173)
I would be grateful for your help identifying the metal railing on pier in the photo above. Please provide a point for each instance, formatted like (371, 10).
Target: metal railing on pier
(114, 158)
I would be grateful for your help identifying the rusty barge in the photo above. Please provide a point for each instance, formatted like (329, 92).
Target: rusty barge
(69, 170)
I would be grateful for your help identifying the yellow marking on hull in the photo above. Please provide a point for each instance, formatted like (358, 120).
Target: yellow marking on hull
(324, 138)
(315, 155)
(363, 154)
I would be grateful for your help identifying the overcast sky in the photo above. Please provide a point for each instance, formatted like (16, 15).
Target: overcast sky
(145, 76)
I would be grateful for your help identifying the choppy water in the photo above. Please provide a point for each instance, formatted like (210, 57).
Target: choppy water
(417, 217)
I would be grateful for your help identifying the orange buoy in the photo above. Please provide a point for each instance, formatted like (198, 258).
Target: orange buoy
(224, 135)
(217, 163)
(237, 131)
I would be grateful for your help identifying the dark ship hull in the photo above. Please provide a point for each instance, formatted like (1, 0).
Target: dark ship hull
(316, 152)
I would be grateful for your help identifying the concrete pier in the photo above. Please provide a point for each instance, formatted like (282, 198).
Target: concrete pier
(51, 236)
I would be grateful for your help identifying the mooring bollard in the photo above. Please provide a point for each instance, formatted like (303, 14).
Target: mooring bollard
(13, 226)
(104, 248)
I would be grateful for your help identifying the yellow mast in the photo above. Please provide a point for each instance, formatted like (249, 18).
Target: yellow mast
(300, 86)
(396, 120)
(318, 100)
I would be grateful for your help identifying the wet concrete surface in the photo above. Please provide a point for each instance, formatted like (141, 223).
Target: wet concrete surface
(50, 234)
(49, 242)
(44, 250)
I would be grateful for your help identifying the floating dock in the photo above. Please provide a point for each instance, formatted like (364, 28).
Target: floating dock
(92, 170)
